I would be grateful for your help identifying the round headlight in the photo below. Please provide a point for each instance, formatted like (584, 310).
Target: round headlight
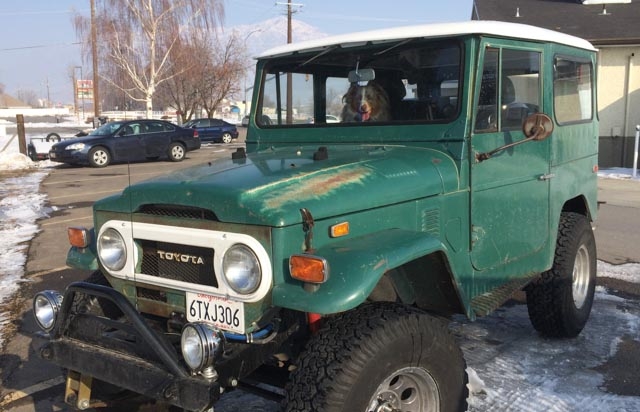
(201, 344)
(112, 249)
(46, 305)
(242, 269)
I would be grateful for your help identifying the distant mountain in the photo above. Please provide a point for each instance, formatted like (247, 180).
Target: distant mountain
(273, 32)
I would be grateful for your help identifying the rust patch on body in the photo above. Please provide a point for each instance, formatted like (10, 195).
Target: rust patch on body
(308, 186)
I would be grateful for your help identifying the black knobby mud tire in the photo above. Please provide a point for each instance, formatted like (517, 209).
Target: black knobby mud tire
(550, 298)
(344, 364)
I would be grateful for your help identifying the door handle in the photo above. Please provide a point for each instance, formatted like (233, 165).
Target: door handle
(547, 176)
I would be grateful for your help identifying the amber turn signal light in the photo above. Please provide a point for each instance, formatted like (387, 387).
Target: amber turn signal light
(308, 268)
(339, 230)
(79, 236)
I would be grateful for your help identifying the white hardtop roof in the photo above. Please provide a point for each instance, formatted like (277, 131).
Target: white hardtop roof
(494, 28)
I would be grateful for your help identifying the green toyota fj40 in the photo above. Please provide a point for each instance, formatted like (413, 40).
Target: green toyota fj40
(330, 253)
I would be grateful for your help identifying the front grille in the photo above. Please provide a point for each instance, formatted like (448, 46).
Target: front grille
(184, 263)
(186, 212)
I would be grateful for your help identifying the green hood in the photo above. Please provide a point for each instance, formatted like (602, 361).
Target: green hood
(270, 187)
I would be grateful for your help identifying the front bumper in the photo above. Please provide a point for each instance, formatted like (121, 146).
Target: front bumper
(131, 373)
(159, 375)
(69, 156)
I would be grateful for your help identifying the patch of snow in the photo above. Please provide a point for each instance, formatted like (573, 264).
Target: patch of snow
(620, 173)
(629, 272)
(476, 385)
(15, 161)
(21, 205)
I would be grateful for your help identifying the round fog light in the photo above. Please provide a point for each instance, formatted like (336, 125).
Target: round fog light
(201, 345)
(46, 305)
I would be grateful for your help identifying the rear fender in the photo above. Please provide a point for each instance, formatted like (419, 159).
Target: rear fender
(355, 268)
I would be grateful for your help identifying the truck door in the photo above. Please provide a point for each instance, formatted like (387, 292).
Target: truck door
(510, 189)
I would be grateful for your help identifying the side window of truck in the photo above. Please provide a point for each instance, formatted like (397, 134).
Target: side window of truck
(510, 89)
(572, 90)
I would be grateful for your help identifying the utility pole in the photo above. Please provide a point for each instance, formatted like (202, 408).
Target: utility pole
(94, 58)
(290, 11)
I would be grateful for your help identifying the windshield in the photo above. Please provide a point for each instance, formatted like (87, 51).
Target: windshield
(410, 81)
(107, 129)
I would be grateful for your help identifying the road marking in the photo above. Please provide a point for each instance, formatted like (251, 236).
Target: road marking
(85, 194)
(58, 222)
(98, 177)
(31, 390)
(48, 271)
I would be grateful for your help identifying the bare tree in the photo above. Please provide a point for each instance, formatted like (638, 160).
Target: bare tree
(180, 89)
(29, 97)
(137, 37)
(222, 73)
(210, 72)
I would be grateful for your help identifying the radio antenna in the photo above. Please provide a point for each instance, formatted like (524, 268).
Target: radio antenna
(130, 195)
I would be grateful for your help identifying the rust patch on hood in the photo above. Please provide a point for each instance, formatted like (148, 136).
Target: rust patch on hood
(304, 187)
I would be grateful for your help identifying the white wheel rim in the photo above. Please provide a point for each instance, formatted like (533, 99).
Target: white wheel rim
(100, 157)
(409, 389)
(581, 276)
(226, 138)
(177, 152)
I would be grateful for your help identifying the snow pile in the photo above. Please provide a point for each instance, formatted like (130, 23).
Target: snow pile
(15, 161)
(20, 207)
(629, 272)
(619, 173)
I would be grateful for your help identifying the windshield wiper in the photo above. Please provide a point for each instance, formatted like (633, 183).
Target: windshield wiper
(402, 43)
(322, 53)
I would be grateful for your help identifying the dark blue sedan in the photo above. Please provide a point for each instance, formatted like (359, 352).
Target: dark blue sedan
(214, 130)
(127, 141)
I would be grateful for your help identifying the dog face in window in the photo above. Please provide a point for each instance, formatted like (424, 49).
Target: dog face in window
(368, 103)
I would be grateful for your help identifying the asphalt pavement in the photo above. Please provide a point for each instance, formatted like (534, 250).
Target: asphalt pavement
(618, 223)
(31, 385)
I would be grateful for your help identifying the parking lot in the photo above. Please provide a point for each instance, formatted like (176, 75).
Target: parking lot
(29, 384)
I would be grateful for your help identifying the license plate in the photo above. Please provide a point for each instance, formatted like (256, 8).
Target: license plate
(52, 155)
(221, 312)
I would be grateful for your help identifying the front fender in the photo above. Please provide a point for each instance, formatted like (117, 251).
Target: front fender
(356, 265)
(84, 258)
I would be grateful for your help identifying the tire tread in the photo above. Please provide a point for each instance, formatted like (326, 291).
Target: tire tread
(547, 296)
(348, 341)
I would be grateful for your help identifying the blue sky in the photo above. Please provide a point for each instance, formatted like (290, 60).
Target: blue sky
(37, 49)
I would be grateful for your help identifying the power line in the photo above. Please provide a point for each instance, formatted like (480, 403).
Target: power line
(40, 46)
(36, 12)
